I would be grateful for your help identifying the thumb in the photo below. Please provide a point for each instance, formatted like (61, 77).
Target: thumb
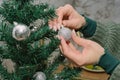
(60, 19)
(80, 41)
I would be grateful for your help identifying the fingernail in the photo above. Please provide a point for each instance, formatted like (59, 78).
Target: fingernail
(64, 23)
(58, 36)
(58, 26)
(50, 27)
(73, 32)
(54, 28)
(61, 26)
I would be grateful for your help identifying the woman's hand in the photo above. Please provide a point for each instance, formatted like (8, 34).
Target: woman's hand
(68, 17)
(90, 54)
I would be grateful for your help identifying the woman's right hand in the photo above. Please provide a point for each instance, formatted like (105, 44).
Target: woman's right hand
(68, 17)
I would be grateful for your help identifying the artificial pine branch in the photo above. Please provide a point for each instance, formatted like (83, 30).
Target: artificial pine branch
(13, 11)
(28, 54)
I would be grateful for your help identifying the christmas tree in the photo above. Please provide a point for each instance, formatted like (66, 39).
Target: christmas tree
(27, 42)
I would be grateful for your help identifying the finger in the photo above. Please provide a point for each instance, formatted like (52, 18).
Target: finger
(60, 15)
(58, 26)
(67, 49)
(55, 24)
(72, 23)
(60, 47)
(69, 23)
(71, 63)
(68, 52)
(72, 47)
(64, 45)
(50, 23)
(69, 44)
(63, 11)
(78, 40)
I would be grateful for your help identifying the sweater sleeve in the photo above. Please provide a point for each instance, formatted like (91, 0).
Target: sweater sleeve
(108, 62)
(116, 73)
(89, 29)
(107, 35)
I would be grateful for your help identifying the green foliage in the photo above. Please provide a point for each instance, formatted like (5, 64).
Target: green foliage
(6, 33)
(25, 13)
(29, 55)
(68, 73)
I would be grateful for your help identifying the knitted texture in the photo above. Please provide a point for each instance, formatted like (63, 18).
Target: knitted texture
(116, 74)
(108, 62)
(108, 36)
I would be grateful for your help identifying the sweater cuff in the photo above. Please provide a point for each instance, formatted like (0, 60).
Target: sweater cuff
(108, 62)
(89, 29)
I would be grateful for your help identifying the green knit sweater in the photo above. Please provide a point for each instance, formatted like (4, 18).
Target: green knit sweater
(106, 35)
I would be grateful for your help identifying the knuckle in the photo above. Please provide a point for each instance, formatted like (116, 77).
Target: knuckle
(68, 5)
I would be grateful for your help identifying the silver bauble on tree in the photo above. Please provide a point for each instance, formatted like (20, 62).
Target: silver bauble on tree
(39, 76)
(20, 31)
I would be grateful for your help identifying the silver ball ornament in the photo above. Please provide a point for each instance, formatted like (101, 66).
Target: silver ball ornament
(39, 76)
(20, 31)
(65, 32)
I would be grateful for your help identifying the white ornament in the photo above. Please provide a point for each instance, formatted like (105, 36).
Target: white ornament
(65, 32)
(20, 31)
(9, 65)
(39, 76)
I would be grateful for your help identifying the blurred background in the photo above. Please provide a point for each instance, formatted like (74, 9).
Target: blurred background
(102, 10)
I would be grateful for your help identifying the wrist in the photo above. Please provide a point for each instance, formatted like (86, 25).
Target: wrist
(89, 27)
(84, 23)
(108, 62)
